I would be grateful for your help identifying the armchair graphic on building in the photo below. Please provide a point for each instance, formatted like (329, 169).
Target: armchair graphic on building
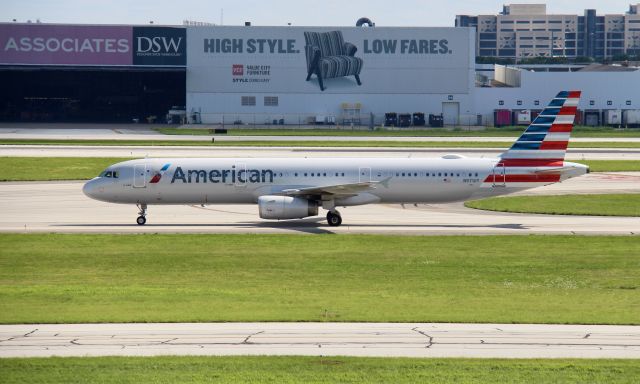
(329, 56)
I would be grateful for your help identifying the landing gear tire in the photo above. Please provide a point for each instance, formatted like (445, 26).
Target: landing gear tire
(334, 219)
(142, 219)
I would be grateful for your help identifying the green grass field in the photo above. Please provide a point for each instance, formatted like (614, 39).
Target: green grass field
(611, 165)
(594, 205)
(172, 369)
(83, 168)
(306, 143)
(53, 168)
(57, 278)
(514, 131)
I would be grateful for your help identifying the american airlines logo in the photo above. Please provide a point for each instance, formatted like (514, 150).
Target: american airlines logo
(232, 175)
(156, 178)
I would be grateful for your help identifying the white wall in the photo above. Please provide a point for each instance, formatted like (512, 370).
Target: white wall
(295, 108)
(400, 81)
(599, 87)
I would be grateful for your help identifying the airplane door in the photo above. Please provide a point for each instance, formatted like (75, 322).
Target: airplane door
(140, 176)
(364, 175)
(499, 176)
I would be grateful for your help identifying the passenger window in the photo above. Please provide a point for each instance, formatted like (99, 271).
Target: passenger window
(342, 173)
(439, 173)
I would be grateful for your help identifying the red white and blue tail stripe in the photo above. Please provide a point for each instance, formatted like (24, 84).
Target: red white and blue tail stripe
(537, 157)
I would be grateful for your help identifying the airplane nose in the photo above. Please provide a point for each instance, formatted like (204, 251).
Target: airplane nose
(89, 189)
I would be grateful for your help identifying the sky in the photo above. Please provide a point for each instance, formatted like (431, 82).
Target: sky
(422, 13)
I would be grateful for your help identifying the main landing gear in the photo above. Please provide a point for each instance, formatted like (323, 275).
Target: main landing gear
(142, 219)
(334, 219)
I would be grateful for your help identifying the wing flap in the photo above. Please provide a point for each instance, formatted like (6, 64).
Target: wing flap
(338, 190)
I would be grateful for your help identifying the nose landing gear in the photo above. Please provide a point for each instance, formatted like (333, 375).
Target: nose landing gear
(142, 219)
(334, 219)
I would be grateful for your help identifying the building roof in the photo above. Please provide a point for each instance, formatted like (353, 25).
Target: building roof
(607, 68)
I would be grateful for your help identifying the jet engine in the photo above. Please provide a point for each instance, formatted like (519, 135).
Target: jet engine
(286, 207)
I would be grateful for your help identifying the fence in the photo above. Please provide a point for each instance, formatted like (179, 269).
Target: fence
(362, 121)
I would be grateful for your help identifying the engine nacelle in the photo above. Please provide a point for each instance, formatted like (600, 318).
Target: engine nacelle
(286, 207)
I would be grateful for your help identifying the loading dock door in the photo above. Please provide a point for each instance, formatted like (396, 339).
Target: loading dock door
(450, 113)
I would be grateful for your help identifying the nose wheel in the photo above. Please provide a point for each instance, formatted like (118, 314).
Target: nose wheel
(142, 219)
(334, 219)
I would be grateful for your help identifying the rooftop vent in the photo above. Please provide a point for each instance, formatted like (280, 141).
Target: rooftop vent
(365, 21)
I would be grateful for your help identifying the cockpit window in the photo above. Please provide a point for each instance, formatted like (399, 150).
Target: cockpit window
(110, 174)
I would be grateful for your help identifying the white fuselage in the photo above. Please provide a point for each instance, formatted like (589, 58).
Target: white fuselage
(243, 180)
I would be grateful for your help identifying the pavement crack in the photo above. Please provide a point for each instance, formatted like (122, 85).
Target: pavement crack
(246, 341)
(429, 338)
(75, 342)
(586, 336)
(170, 340)
(29, 333)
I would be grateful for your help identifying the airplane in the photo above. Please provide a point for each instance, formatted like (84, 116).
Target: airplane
(295, 188)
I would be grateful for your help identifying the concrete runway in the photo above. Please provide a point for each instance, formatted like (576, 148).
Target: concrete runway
(202, 151)
(322, 339)
(62, 207)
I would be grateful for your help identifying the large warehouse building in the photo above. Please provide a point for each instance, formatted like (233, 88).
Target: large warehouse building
(294, 73)
(277, 75)
(100, 73)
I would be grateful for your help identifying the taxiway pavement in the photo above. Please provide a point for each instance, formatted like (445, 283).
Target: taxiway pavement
(322, 339)
(140, 133)
(62, 207)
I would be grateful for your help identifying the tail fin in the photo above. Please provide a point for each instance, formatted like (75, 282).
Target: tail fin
(544, 142)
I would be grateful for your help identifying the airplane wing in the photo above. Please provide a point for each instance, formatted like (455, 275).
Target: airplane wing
(337, 190)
